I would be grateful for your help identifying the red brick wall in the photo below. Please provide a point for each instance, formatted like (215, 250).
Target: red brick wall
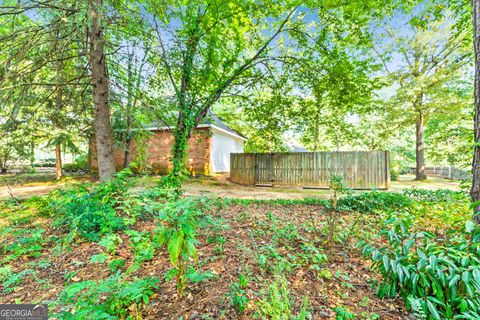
(159, 145)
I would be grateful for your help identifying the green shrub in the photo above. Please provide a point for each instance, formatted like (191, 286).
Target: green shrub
(24, 178)
(105, 299)
(11, 280)
(367, 202)
(439, 195)
(394, 174)
(279, 202)
(80, 164)
(437, 277)
(90, 213)
(49, 163)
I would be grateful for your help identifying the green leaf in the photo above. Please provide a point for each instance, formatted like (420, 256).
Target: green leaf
(453, 282)
(433, 310)
(175, 246)
(466, 277)
(470, 226)
(386, 264)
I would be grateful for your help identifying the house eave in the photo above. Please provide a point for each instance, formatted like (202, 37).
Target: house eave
(201, 126)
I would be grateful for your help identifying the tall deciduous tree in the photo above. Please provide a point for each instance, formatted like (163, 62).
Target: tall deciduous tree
(475, 190)
(212, 47)
(430, 57)
(103, 129)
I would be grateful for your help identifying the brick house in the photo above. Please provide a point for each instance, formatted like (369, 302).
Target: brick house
(209, 148)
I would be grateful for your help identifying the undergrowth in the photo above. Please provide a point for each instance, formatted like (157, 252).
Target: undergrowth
(427, 253)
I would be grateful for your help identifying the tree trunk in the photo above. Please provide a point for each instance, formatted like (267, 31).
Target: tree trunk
(475, 190)
(178, 172)
(103, 129)
(32, 153)
(128, 143)
(128, 138)
(59, 106)
(58, 162)
(316, 131)
(419, 150)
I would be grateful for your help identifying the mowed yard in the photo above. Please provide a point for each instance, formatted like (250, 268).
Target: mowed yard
(98, 252)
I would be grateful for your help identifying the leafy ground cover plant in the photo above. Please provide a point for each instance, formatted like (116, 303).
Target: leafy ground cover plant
(435, 195)
(27, 244)
(278, 303)
(270, 239)
(113, 297)
(88, 212)
(438, 277)
(368, 202)
(238, 294)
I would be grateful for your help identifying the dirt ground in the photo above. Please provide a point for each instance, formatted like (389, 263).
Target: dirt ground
(221, 187)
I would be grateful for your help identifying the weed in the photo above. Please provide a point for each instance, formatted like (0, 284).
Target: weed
(99, 258)
(238, 295)
(178, 233)
(116, 264)
(104, 299)
(28, 246)
(110, 242)
(10, 280)
(278, 304)
(338, 187)
(343, 313)
(143, 248)
(219, 241)
(91, 213)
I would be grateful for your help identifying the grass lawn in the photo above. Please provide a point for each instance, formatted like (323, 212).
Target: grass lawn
(126, 250)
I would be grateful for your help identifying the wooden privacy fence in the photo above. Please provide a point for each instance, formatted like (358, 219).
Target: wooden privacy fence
(446, 172)
(359, 169)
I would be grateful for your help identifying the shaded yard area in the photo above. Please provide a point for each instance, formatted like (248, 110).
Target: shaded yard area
(112, 251)
(247, 254)
(219, 186)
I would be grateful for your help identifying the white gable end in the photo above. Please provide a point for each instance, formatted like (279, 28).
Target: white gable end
(222, 145)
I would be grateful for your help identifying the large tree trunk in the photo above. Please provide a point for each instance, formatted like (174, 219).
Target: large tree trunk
(59, 106)
(128, 138)
(178, 172)
(103, 129)
(58, 162)
(475, 190)
(419, 149)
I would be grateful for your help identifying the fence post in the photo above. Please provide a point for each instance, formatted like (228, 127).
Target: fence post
(255, 169)
(387, 169)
